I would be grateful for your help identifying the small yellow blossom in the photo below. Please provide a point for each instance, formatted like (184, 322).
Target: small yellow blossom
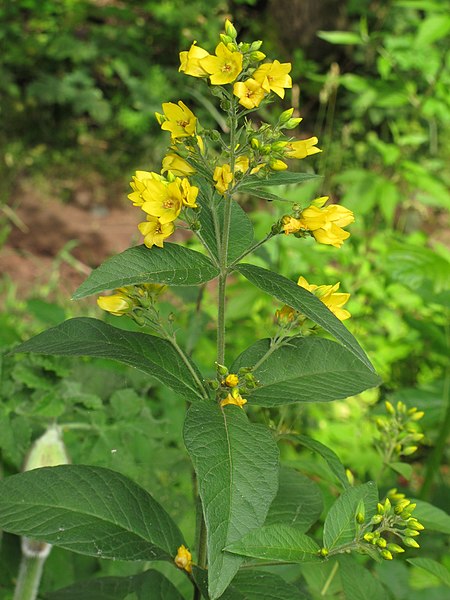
(285, 315)
(165, 201)
(139, 186)
(242, 164)
(237, 400)
(329, 295)
(326, 223)
(177, 166)
(224, 67)
(223, 177)
(278, 165)
(250, 93)
(190, 61)
(291, 225)
(183, 559)
(189, 193)
(155, 232)
(180, 120)
(231, 380)
(117, 304)
(302, 148)
(274, 77)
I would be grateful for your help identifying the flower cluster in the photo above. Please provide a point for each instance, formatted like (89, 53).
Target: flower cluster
(393, 521)
(288, 317)
(231, 386)
(131, 300)
(324, 223)
(399, 431)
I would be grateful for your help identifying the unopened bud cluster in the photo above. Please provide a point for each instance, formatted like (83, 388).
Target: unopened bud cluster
(392, 527)
(136, 301)
(399, 430)
(230, 387)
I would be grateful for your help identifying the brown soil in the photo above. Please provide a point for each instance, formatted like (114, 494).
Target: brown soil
(37, 247)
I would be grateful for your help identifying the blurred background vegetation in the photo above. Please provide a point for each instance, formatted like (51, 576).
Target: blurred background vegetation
(80, 81)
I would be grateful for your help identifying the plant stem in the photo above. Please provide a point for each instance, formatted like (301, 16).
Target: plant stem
(29, 578)
(251, 249)
(188, 364)
(329, 581)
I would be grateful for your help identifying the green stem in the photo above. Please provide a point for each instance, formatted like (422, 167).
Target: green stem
(276, 343)
(250, 250)
(188, 364)
(29, 578)
(330, 579)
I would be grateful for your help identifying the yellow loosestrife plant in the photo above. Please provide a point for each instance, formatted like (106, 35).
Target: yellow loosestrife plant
(244, 497)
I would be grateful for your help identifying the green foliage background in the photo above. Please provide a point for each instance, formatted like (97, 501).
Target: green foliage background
(79, 83)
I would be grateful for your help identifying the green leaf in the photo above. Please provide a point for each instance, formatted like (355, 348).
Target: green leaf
(280, 178)
(281, 542)
(236, 463)
(340, 524)
(89, 510)
(340, 37)
(150, 584)
(250, 585)
(433, 567)
(148, 353)
(308, 369)
(297, 297)
(298, 501)
(173, 265)
(326, 453)
(404, 469)
(241, 229)
(358, 582)
(431, 517)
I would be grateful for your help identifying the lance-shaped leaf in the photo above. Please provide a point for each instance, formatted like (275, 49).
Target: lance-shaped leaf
(358, 582)
(305, 370)
(280, 178)
(433, 567)
(298, 501)
(282, 542)
(236, 463)
(297, 297)
(173, 265)
(89, 510)
(241, 229)
(249, 584)
(340, 524)
(150, 584)
(148, 353)
(326, 453)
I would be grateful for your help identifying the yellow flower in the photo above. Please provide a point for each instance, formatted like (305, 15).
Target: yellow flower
(190, 61)
(291, 225)
(180, 120)
(237, 400)
(302, 148)
(285, 315)
(155, 232)
(139, 186)
(189, 193)
(326, 223)
(274, 77)
(328, 294)
(165, 200)
(278, 165)
(242, 164)
(117, 304)
(250, 93)
(231, 380)
(223, 177)
(177, 165)
(224, 67)
(183, 559)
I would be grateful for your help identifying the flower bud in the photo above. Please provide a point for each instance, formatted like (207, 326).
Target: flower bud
(360, 518)
(278, 145)
(256, 45)
(292, 123)
(381, 542)
(411, 543)
(401, 407)
(411, 532)
(390, 409)
(380, 509)
(417, 416)
(387, 505)
(257, 56)
(414, 524)
(386, 555)
(230, 29)
(225, 39)
(278, 165)
(409, 450)
(323, 552)
(221, 369)
(376, 519)
(255, 143)
(285, 116)
(231, 380)
(350, 477)
(368, 537)
(395, 548)
(47, 451)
